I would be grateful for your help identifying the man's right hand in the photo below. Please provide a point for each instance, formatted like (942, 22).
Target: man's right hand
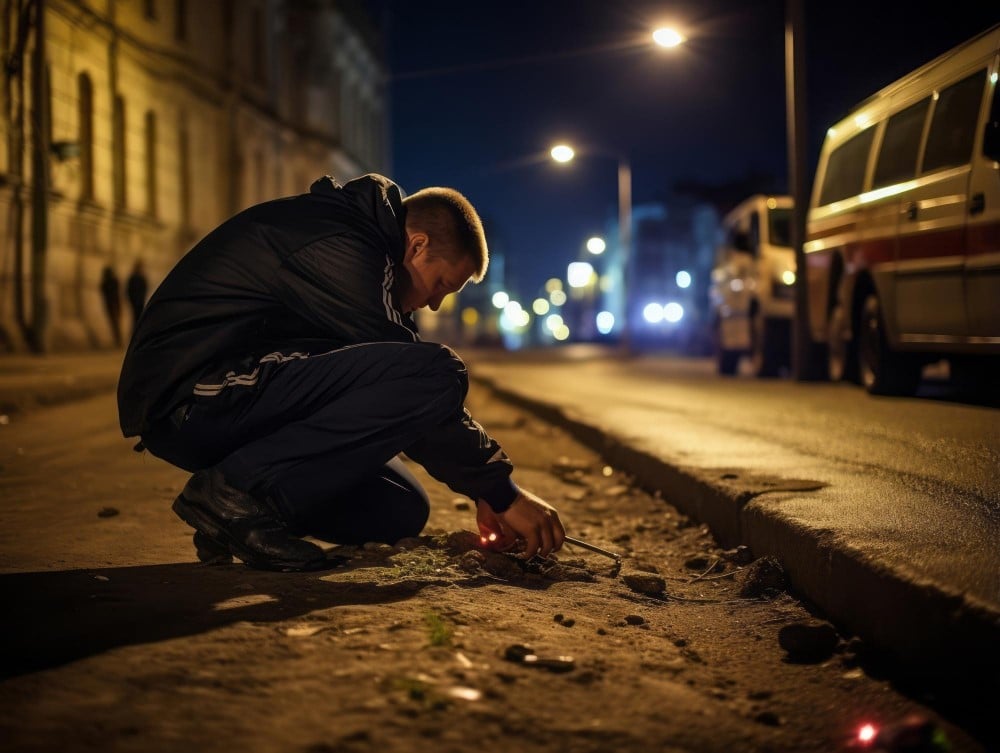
(536, 522)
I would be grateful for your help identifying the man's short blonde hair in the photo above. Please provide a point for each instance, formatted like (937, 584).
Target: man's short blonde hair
(452, 225)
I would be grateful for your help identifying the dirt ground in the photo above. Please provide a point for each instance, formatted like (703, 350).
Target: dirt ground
(117, 640)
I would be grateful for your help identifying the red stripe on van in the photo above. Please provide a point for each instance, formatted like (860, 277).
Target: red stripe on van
(868, 253)
(950, 242)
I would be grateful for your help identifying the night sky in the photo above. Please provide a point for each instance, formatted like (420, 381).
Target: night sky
(482, 88)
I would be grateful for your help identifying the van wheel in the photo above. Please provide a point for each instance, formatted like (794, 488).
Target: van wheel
(766, 348)
(726, 361)
(841, 353)
(882, 371)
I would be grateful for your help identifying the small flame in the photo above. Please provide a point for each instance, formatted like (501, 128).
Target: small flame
(493, 537)
(867, 733)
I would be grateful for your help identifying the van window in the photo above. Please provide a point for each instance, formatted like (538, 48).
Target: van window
(991, 137)
(901, 145)
(953, 127)
(780, 227)
(845, 169)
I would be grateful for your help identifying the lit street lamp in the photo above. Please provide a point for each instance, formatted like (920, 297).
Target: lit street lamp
(667, 37)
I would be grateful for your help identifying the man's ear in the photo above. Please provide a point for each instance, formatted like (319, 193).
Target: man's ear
(416, 244)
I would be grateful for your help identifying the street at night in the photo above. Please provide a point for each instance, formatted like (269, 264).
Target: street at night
(426, 376)
(118, 639)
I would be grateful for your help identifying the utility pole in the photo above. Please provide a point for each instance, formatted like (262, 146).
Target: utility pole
(807, 361)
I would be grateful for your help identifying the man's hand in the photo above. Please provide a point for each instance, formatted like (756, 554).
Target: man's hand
(530, 519)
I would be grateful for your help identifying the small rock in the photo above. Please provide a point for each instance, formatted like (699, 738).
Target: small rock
(462, 504)
(602, 631)
(645, 583)
(764, 576)
(107, 512)
(616, 491)
(741, 555)
(568, 622)
(558, 617)
(410, 542)
(646, 567)
(472, 561)
(635, 619)
(808, 642)
(680, 642)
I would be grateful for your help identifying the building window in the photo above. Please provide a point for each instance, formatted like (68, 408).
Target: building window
(85, 134)
(180, 20)
(151, 163)
(184, 169)
(258, 48)
(118, 145)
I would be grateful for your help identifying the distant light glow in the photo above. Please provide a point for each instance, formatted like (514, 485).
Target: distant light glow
(553, 322)
(557, 297)
(561, 333)
(605, 322)
(772, 203)
(683, 279)
(540, 306)
(673, 312)
(736, 285)
(470, 317)
(788, 277)
(867, 733)
(562, 153)
(500, 299)
(596, 245)
(578, 273)
(653, 313)
(667, 37)
(553, 283)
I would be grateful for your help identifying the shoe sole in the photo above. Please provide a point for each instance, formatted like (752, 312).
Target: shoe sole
(206, 524)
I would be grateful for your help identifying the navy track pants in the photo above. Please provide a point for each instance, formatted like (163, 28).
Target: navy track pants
(319, 434)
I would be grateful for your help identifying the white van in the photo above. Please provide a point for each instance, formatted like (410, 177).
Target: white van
(903, 232)
(752, 292)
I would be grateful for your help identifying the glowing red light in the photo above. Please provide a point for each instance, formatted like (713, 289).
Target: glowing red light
(867, 733)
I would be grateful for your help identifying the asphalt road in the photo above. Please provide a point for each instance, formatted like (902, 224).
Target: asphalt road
(904, 488)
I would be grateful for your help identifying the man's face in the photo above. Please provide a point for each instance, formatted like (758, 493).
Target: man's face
(432, 277)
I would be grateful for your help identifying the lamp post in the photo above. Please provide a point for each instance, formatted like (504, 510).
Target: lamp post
(564, 153)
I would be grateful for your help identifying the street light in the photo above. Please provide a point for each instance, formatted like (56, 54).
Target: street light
(667, 37)
(596, 245)
(563, 153)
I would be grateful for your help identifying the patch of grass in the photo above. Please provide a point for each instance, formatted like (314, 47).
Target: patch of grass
(420, 692)
(440, 631)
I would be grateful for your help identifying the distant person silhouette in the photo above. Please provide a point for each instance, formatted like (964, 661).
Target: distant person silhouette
(135, 288)
(111, 293)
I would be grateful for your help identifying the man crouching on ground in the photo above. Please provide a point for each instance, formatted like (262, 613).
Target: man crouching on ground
(280, 364)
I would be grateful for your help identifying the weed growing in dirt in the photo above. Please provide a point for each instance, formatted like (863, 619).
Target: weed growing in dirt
(440, 631)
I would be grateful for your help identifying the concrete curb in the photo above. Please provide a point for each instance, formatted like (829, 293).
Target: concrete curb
(943, 639)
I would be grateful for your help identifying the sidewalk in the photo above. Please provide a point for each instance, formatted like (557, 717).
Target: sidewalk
(937, 630)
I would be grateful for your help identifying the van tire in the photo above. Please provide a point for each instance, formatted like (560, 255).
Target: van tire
(766, 347)
(883, 371)
(842, 351)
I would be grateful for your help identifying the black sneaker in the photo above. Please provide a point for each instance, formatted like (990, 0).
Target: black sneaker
(231, 520)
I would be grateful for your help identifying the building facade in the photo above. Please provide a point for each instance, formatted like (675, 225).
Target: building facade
(130, 128)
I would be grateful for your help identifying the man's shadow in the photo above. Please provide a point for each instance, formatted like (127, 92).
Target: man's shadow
(53, 618)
